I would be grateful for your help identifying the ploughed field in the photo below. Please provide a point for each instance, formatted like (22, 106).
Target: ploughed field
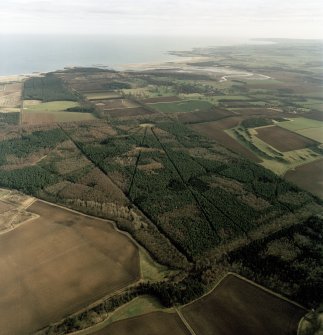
(237, 306)
(157, 323)
(309, 177)
(64, 262)
(283, 139)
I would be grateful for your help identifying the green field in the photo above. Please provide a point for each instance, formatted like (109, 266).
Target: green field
(54, 111)
(182, 107)
(312, 129)
(138, 306)
(54, 106)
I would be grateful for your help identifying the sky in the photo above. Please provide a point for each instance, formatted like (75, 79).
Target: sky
(232, 18)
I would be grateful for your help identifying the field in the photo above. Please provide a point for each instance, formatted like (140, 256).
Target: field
(204, 116)
(116, 103)
(75, 260)
(312, 129)
(161, 99)
(101, 95)
(239, 307)
(53, 106)
(184, 106)
(129, 112)
(214, 132)
(283, 139)
(10, 95)
(157, 323)
(182, 186)
(13, 210)
(314, 182)
(36, 112)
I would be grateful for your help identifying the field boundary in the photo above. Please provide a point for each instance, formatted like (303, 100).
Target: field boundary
(249, 282)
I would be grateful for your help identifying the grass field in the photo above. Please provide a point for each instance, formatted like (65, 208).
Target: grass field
(138, 306)
(309, 177)
(310, 128)
(53, 106)
(101, 95)
(184, 106)
(64, 262)
(157, 323)
(240, 307)
(50, 112)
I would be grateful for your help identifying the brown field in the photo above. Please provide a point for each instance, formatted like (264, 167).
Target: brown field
(240, 307)
(128, 112)
(64, 262)
(204, 116)
(115, 104)
(283, 139)
(161, 99)
(214, 132)
(315, 115)
(10, 95)
(5, 207)
(156, 323)
(309, 177)
(257, 111)
(37, 118)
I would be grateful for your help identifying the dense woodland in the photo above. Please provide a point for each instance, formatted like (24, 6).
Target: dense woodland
(9, 118)
(48, 88)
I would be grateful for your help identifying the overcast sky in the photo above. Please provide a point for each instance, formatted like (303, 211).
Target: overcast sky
(245, 18)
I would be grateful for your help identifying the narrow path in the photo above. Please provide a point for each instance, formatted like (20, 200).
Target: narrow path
(136, 164)
(187, 325)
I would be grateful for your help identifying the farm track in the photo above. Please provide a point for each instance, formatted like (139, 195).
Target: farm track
(187, 325)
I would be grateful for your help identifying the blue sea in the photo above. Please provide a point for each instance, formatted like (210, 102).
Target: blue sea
(25, 54)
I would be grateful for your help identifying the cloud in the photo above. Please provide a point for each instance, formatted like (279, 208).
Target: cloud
(159, 16)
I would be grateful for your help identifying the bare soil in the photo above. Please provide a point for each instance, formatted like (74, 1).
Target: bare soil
(57, 264)
(239, 307)
(204, 116)
(157, 323)
(214, 132)
(309, 177)
(283, 139)
(128, 112)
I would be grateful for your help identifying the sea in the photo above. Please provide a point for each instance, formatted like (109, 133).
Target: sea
(26, 54)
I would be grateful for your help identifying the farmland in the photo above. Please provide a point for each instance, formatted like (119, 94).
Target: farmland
(192, 165)
(292, 141)
(183, 106)
(237, 306)
(91, 258)
(313, 184)
(157, 323)
(306, 127)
